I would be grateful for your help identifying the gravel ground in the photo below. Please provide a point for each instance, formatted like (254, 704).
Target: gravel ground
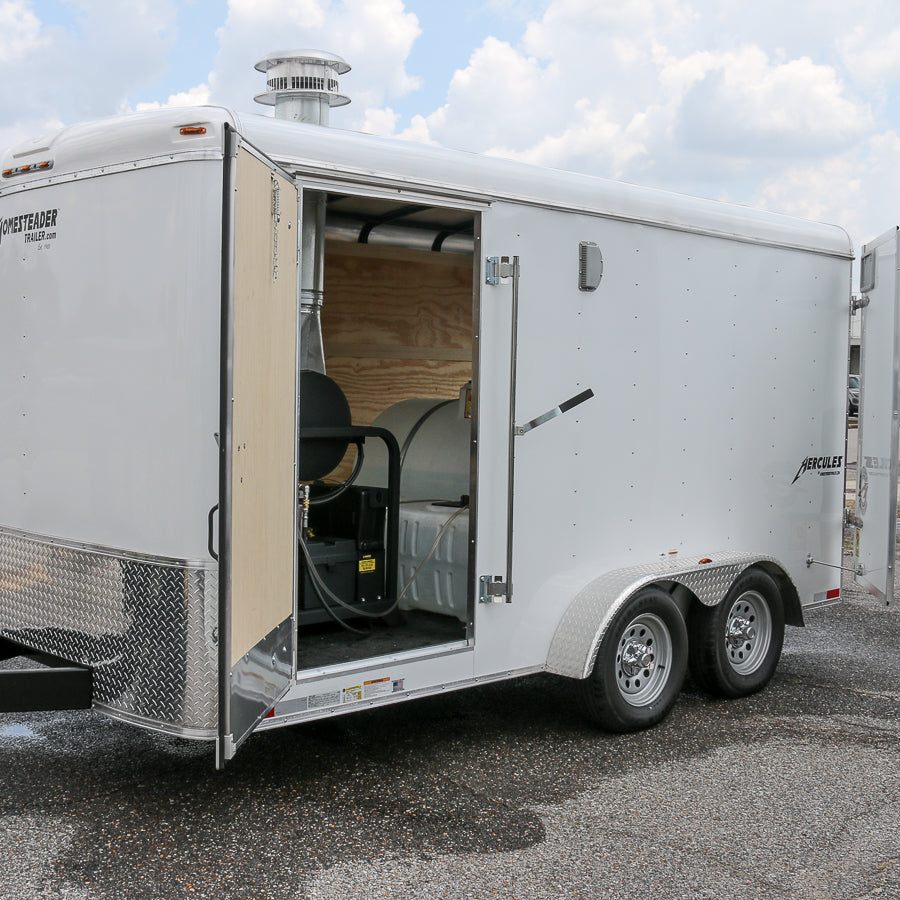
(502, 791)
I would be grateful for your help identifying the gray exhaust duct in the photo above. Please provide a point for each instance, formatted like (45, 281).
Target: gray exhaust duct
(353, 230)
(302, 85)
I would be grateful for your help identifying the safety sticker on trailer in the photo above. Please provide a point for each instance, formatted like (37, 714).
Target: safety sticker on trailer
(352, 694)
(367, 564)
(378, 687)
(368, 690)
(331, 698)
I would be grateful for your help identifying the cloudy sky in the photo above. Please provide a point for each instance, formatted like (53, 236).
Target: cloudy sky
(791, 105)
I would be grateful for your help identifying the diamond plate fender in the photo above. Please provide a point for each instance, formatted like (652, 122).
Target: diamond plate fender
(582, 626)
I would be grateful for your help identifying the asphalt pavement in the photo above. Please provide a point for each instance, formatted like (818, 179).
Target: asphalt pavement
(498, 792)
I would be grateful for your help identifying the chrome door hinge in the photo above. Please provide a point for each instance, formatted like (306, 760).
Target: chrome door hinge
(497, 267)
(860, 302)
(494, 589)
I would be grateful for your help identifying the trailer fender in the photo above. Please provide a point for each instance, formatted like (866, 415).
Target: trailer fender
(574, 646)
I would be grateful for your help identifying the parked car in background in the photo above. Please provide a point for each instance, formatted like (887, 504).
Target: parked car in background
(853, 396)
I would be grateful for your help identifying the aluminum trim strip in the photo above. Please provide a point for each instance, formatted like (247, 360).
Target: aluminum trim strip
(191, 734)
(277, 721)
(112, 552)
(114, 169)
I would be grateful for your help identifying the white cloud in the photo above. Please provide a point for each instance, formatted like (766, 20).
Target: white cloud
(196, 96)
(831, 191)
(502, 98)
(418, 131)
(84, 70)
(374, 36)
(591, 142)
(380, 121)
(856, 190)
(20, 30)
(746, 105)
(871, 55)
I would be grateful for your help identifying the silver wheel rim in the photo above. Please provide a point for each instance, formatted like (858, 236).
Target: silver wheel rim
(643, 659)
(748, 632)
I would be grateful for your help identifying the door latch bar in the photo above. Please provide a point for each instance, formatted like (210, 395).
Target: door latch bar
(563, 407)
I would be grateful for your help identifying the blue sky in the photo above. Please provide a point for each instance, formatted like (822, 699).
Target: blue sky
(793, 107)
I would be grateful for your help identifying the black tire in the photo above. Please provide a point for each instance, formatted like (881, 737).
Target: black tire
(650, 630)
(735, 646)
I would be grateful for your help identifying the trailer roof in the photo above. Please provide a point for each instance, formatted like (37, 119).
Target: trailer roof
(318, 152)
(331, 151)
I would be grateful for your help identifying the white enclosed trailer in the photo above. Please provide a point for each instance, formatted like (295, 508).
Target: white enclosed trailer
(603, 426)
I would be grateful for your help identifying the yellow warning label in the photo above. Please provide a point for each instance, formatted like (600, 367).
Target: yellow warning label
(367, 564)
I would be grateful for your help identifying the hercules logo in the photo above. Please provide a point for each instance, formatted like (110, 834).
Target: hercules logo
(823, 465)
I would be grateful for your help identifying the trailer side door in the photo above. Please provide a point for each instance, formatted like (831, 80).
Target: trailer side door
(879, 409)
(258, 493)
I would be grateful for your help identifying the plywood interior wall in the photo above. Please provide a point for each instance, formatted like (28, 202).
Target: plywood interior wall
(397, 324)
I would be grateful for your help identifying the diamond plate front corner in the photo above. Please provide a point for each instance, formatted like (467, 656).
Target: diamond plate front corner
(146, 626)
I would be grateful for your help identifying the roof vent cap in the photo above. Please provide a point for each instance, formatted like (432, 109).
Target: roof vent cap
(302, 85)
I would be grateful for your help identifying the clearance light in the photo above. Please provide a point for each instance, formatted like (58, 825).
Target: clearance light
(705, 561)
(193, 129)
(22, 170)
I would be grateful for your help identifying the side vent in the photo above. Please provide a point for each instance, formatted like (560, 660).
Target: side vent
(866, 273)
(590, 266)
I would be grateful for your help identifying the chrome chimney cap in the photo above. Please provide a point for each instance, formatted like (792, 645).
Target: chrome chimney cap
(302, 74)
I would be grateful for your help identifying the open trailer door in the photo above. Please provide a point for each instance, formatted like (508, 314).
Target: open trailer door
(258, 445)
(879, 408)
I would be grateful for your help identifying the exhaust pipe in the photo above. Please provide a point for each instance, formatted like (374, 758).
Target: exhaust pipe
(303, 85)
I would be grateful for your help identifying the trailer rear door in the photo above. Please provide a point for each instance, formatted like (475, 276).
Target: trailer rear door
(258, 494)
(879, 409)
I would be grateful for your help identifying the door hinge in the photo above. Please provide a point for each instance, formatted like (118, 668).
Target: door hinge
(860, 302)
(494, 589)
(851, 520)
(497, 267)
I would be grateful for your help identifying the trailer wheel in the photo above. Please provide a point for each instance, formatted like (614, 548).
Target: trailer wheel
(735, 646)
(640, 665)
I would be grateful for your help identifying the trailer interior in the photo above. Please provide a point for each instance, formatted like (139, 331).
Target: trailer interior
(397, 335)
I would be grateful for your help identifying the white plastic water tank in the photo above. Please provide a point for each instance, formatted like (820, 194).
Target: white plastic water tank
(434, 438)
(441, 585)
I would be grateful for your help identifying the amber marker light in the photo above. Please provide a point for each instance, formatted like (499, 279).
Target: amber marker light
(193, 129)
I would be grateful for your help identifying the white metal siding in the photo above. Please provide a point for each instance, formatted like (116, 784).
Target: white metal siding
(108, 437)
